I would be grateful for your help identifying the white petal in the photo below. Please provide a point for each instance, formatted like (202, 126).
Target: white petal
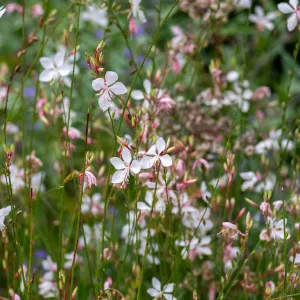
(135, 167)
(168, 288)
(294, 3)
(147, 162)
(59, 58)
(2, 11)
(147, 86)
(285, 8)
(169, 297)
(137, 95)
(119, 176)
(152, 150)
(232, 76)
(152, 292)
(156, 284)
(143, 206)
(111, 77)
(292, 22)
(259, 11)
(142, 16)
(4, 212)
(117, 163)
(98, 84)
(126, 155)
(160, 145)
(47, 63)
(46, 75)
(64, 70)
(104, 101)
(118, 88)
(166, 160)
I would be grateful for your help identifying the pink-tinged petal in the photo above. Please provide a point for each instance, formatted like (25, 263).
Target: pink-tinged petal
(118, 88)
(147, 162)
(156, 284)
(153, 292)
(285, 8)
(104, 101)
(98, 84)
(126, 155)
(47, 63)
(293, 3)
(117, 163)
(292, 22)
(160, 145)
(119, 176)
(152, 150)
(166, 160)
(135, 167)
(59, 58)
(143, 206)
(64, 70)
(147, 86)
(47, 76)
(205, 250)
(137, 95)
(168, 288)
(111, 77)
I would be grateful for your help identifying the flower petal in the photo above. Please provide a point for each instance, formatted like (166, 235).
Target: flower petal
(147, 162)
(143, 206)
(292, 22)
(156, 283)
(47, 76)
(135, 167)
(117, 163)
(64, 70)
(160, 145)
(293, 3)
(118, 88)
(98, 84)
(152, 292)
(168, 288)
(59, 58)
(47, 63)
(126, 155)
(119, 176)
(152, 150)
(169, 297)
(104, 101)
(285, 8)
(137, 95)
(111, 77)
(166, 160)
(147, 86)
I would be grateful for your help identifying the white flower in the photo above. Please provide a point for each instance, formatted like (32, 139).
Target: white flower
(124, 166)
(108, 88)
(95, 15)
(294, 11)
(242, 4)
(92, 204)
(55, 67)
(69, 259)
(160, 205)
(48, 289)
(153, 155)
(157, 291)
(136, 10)
(139, 95)
(2, 11)
(262, 20)
(50, 267)
(250, 180)
(3, 213)
(274, 231)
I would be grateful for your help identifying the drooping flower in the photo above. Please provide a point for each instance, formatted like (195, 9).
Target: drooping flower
(55, 67)
(157, 290)
(136, 10)
(293, 10)
(3, 213)
(154, 154)
(274, 230)
(108, 88)
(261, 19)
(89, 178)
(124, 167)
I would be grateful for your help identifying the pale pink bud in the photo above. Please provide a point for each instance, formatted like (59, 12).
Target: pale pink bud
(37, 10)
(11, 7)
(180, 168)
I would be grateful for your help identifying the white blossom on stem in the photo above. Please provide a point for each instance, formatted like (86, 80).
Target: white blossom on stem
(293, 10)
